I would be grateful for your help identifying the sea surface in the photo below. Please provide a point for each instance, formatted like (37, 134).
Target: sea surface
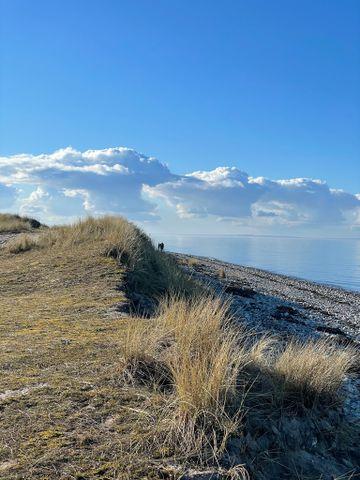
(330, 261)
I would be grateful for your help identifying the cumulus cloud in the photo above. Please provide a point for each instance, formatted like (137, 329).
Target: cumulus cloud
(229, 193)
(68, 183)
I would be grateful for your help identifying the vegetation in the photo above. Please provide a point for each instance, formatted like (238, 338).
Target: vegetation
(222, 273)
(215, 371)
(20, 243)
(152, 272)
(15, 223)
(312, 371)
(87, 393)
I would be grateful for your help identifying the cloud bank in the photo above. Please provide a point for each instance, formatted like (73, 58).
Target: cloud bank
(67, 183)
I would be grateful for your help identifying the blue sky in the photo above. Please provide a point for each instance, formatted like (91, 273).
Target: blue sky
(271, 87)
(268, 87)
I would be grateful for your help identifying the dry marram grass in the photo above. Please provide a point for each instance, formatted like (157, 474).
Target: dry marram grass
(193, 347)
(16, 223)
(152, 272)
(194, 350)
(21, 243)
(92, 395)
(312, 370)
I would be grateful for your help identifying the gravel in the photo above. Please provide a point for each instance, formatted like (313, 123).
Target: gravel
(280, 304)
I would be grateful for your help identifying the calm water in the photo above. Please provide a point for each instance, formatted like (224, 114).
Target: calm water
(330, 261)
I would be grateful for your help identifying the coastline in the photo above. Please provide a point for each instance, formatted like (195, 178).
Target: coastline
(276, 303)
(286, 307)
(82, 327)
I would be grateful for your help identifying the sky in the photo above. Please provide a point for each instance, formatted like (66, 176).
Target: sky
(239, 113)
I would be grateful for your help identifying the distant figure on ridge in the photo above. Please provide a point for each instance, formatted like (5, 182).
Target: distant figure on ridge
(161, 246)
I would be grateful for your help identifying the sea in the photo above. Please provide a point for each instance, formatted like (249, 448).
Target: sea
(329, 261)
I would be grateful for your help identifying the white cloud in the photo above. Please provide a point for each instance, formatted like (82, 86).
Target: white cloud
(76, 183)
(229, 193)
(83, 194)
(68, 183)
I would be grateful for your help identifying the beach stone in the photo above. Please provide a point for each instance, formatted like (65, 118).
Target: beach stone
(240, 291)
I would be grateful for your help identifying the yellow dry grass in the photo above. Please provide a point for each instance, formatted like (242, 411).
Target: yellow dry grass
(21, 243)
(64, 410)
(87, 394)
(15, 223)
(191, 348)
(152, 272)
(312, 370)
(205, 355)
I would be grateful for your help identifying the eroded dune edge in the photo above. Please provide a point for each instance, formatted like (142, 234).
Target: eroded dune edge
(119, 361)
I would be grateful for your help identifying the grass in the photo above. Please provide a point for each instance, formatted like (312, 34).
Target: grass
(312, 371)
(21, 243)
(199, 368)
(67, 410)
(203, 356)
(151, 272)
(85, 393)
(214, 372)
(222, 273)
(16, 223)
(192, 261)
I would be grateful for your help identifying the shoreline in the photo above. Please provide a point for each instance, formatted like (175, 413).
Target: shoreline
(281, 304)
(286, 307)
(267, 271)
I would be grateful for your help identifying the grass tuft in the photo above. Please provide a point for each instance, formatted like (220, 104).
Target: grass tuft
(308, 372)
(222, 273)
(21, 243)
(205, 357)
(202, 357)
(16, 223)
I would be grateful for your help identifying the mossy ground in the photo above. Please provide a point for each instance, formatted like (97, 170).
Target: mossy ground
(65, 414)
